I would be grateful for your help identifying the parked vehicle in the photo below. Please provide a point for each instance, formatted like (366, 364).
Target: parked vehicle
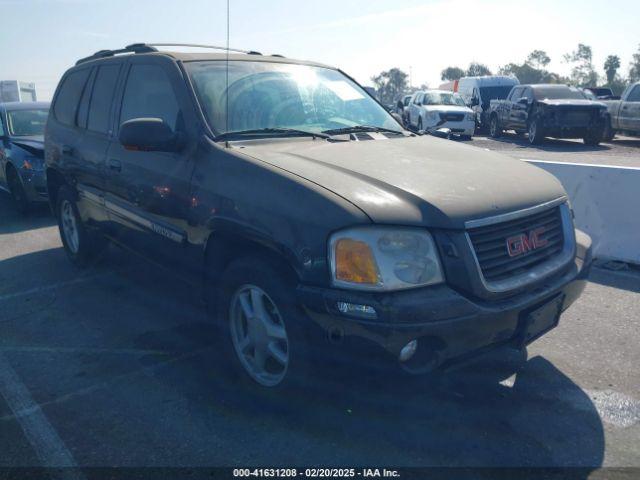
(313, 220)
(22, 152)
(624, 115)
(548, 111)
(441, 109)
(603, 93)
(402, 107)
(477, 93)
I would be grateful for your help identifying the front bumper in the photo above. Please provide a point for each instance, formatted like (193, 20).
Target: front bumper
(464, 127)
(34, 183)
(449, 325)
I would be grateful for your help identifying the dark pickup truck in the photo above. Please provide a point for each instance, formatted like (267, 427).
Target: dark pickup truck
(548, 111)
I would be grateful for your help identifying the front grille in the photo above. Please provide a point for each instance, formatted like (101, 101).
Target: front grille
(451, 117)
(576, 119)
(490, 244)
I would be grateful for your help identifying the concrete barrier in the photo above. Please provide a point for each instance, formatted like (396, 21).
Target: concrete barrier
(606, 204)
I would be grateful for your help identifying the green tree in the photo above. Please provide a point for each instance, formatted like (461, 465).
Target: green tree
(477, 69)
(611, 66)
(390, 85)
(451, 73)
(583, 73)
(634, 67)
(538, 59)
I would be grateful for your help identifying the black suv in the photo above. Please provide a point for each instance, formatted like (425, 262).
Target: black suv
(312, 219)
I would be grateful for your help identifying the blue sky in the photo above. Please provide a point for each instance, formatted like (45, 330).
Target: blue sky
(39, 39)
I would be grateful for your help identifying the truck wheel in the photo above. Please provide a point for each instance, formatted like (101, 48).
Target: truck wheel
(262, 331)
(593, 139)
(18, 195)
(80, 245)
(494, 127)
(609, 132)
(536, 135)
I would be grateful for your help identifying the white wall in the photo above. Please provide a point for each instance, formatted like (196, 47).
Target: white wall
(606, 203)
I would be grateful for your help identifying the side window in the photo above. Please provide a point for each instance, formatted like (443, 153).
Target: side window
(1, 126)
(528, 93)
(102, 98)
(69, 96)
(83, 109)
(516, 93)
(634, 96)
(149, 94)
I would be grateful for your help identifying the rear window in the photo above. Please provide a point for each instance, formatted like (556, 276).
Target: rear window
(558, 92)
(102, 97)
(69, 96)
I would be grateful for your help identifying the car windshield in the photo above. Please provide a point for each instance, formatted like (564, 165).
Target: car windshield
(558, 92)
(22, 123)
(494, 93)
(265, 95)
(443, 98)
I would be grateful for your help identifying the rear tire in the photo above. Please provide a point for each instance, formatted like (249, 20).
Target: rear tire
(494, 127)
(18, 195)
(81, 246)
(263, 333)
(536, 134)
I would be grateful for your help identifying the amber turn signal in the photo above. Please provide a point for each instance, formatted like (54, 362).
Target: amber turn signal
(355, 262)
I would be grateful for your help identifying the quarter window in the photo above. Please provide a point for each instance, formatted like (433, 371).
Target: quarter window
(634, 96)
(102, 97)
(69, 96)
(149, 94)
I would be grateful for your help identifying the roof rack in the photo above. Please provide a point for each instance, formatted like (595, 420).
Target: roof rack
(197, 45)
(151, 47)
(133, 48)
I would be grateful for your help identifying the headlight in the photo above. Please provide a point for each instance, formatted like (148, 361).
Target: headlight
(32, 163)
(470, 116)
(384, 258)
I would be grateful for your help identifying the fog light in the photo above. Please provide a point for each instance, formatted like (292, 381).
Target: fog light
(408, 350)
(365, 311)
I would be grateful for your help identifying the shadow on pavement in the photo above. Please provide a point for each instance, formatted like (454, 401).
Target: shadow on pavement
(550, 144)
(13, 222)
(623, 279)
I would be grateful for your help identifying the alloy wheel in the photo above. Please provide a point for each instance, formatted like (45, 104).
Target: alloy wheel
(69, 226)
(259, 335)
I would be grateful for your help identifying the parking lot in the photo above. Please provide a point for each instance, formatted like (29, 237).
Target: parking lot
(621, 151)
(113, 366)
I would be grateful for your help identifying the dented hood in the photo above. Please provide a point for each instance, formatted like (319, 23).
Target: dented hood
(32, 144)
(415, 180)
(572, 102)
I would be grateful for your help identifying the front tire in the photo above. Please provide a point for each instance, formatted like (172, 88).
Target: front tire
(494, 127)
(536, 134)
(81, 246)
(18, 194)
(609, 133)
(263, 333)
(592, 139)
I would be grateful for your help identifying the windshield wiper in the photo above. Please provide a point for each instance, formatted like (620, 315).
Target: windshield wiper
(258, 132)
(360, 128)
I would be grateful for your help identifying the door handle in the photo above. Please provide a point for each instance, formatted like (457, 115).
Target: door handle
(67, 149)
(114, 165)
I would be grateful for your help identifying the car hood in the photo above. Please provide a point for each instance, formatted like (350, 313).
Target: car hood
(572, 103)
(33, 144)
(419, 180)
(447, 108)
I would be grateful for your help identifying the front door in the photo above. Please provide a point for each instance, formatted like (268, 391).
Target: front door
(148, 193)
(630, 111)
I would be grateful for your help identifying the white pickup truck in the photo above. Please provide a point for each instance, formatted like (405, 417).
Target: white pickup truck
(624, 114)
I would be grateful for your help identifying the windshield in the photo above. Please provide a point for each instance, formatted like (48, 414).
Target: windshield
(494, 93)
(558, 92)
(443, 98)
(23, 123)
(278, 95)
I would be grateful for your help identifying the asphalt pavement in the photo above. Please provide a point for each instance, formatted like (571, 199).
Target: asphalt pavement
(621, 151)
(115, 366)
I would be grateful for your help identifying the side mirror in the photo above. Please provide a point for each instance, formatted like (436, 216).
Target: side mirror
(523, 101)
(475, 101)
(149, 134)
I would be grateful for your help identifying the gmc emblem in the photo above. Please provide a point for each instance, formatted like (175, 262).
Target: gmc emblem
(523, 243)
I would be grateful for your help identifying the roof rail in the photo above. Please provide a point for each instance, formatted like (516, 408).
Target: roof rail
(133, 48)
(197, 45)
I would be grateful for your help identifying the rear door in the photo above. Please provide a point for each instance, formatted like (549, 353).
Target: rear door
(95, 119)
(630, 110)
(148, 193)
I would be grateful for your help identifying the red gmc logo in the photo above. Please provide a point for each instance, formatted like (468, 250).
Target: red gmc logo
(523, 243)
